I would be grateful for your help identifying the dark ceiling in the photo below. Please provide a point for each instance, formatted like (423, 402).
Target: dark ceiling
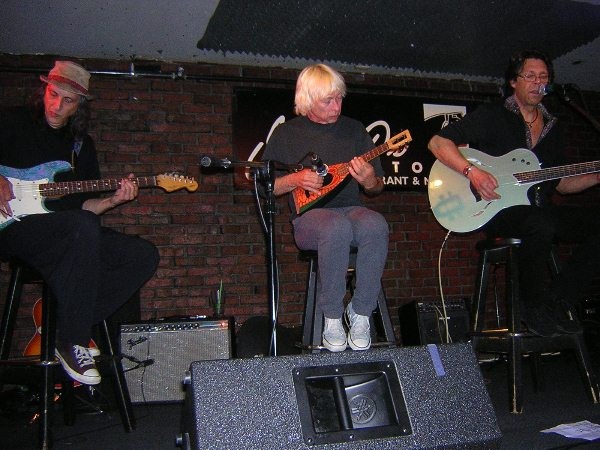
(466, 39)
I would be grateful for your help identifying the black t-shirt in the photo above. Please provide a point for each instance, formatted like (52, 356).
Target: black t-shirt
(498, 128)
(26, 142)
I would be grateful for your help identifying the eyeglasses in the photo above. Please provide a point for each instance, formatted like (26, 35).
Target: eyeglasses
(530, 77)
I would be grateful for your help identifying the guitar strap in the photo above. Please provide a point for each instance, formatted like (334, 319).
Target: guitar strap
(75, 152)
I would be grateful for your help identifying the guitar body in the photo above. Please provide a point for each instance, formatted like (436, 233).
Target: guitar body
(34, 346)
(26, 184)
(304, 200)
(458, 208)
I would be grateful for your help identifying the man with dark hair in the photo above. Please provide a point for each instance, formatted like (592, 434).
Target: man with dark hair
(91, 270)
(522, 121)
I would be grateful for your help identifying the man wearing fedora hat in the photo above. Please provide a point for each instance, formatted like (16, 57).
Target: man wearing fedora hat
(91, 270)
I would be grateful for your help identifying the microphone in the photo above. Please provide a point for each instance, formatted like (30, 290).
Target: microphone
(551, 88)
(209, 161)
(321, 168)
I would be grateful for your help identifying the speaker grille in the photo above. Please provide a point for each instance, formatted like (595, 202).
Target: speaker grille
(156, 355)
(253, 403)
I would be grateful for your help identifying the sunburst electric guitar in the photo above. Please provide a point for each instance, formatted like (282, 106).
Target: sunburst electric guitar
(32, 186)
(34, 346)
(459, 208)
(337, 173)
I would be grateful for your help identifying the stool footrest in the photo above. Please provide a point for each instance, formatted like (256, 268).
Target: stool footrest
(377, 344)
(28, 361)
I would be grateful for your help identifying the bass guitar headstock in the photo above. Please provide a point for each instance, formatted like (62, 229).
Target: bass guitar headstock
(173, 182)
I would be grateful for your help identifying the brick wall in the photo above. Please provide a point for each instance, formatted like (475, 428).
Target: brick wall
(151, 125)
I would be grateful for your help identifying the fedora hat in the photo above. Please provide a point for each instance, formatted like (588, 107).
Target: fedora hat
(69, 76)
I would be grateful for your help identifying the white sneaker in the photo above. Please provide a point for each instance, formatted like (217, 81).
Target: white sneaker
(359, 336)
(334, 335)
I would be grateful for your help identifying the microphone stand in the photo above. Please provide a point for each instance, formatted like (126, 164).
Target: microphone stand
(265, 173)
(565, 98)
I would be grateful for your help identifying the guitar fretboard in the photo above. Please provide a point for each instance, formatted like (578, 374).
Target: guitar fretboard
(72, 187)
(554, 173)
(371, 154)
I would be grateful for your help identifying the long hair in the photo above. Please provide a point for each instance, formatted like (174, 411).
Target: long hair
(315, 83)
(78, 123)
(515, 66)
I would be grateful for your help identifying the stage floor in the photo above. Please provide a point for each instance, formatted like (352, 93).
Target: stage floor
(563, 400)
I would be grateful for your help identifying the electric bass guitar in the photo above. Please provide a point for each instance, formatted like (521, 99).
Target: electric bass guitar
(337, 173)
(459, 208)
(32, 186)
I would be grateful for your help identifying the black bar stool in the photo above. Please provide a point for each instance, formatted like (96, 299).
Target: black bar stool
(22, 274)
(312, 327)
(513, 340)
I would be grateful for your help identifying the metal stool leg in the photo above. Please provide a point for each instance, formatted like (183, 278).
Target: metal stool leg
(47, 357)
(384, 315)
(478, 307)
(13, 299)
(310, 305)
(589, 376)
(514, 328)
(121, 391)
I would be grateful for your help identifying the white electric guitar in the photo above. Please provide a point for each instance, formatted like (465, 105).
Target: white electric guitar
(456, 205)
(32, 186)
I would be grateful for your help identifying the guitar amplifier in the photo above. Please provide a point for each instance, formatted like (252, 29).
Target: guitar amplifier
(156, 354)
(423, 323)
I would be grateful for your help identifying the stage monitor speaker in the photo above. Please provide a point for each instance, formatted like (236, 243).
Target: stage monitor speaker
(423, 323)
(415, 397)
(157, 354)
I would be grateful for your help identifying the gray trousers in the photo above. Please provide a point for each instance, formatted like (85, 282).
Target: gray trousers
(332, 232)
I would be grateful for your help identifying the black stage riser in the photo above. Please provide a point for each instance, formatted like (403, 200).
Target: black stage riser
(255, 403)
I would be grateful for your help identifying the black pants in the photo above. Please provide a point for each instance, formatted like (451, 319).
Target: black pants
(539, 228)
(91, 270)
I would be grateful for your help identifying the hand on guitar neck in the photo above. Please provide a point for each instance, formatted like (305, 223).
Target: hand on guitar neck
(363, 172)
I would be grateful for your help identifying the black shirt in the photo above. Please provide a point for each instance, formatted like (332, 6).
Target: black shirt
(497, 128)
(26, 142)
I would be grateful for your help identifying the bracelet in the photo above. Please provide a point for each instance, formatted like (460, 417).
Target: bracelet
(467, 169)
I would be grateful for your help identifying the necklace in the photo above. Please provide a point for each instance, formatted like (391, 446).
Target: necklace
(530, 124)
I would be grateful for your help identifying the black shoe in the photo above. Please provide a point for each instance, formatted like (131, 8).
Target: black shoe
(540, 321)
(566, 317)
(78, 363)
